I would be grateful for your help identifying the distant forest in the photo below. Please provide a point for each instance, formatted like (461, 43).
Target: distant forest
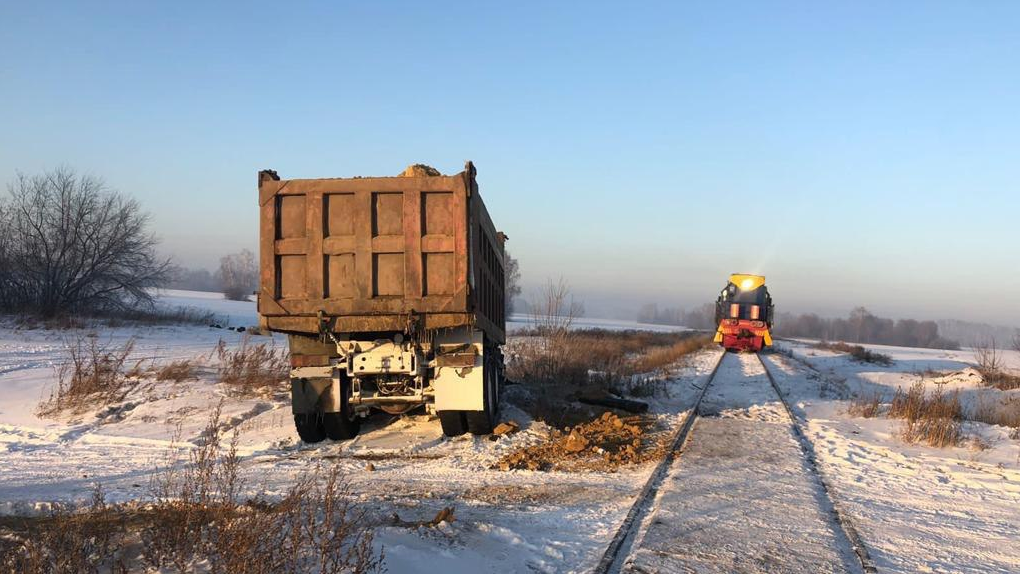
(863, 327)
(702, 317)
(859, 327)
(194, 280)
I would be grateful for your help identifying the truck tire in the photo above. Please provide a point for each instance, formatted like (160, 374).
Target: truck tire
(340, 427)
(345, 424)
(309, 427)
(481, 422)
(452, 422)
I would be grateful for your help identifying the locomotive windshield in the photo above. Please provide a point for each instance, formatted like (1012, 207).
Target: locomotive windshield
(736, 295)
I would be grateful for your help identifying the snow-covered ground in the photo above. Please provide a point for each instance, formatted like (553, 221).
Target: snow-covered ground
(226, 312)
(505, 521)
(918, 508)
(520, 321)
(741, 498)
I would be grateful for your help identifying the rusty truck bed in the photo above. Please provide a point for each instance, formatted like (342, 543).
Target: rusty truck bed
(364, 254)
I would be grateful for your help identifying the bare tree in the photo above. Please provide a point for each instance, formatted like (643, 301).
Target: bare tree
(988, 357)
(553, 311)
(70, 244)
(7, 285)
(512, 278)
(1016, 341)
(239, 275)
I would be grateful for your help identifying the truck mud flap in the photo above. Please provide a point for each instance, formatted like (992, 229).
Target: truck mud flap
(314, 395)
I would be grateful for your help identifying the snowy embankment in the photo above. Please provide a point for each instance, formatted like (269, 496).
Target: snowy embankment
(504, 521)
(918, 508)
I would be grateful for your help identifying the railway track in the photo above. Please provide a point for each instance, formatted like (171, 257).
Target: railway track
(621, 546)
(615, 553)
(838, 514)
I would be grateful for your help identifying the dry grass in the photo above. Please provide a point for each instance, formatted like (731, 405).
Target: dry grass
(118, 318)
(94, 374)
(662, 358)
(596, 355)
(67, 542)
(98, 373)
(315, 527)
(998, 409)
(159, 316)
(197, 522)
(856, 352)
(930, 417)
(1000, 379)
(866, 405)
(252, 366)
(176, 371)
(559, 367)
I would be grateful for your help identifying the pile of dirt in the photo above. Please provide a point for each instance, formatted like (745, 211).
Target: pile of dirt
(605, 443)
(420, 170)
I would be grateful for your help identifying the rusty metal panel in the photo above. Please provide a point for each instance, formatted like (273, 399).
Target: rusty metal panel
(387, 213)
(439, 270)
(338, 210)
(291, 213)
(291, 276)
(437, 214)
(387, 275)
(368, 251)
(339, 281)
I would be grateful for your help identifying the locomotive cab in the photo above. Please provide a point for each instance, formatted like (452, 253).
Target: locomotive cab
(743, 314)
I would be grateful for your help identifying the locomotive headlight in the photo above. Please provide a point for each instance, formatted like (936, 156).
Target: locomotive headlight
(746, 284)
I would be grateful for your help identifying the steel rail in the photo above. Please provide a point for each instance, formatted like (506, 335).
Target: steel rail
(839, 513)
(614, 554)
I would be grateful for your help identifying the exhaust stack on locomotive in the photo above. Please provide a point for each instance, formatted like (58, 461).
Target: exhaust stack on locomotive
(743, 313)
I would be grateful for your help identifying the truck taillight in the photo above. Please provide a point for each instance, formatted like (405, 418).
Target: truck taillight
(754, 312)
(734, 310)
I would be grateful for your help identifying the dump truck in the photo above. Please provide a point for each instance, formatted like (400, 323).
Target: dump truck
(391, 293)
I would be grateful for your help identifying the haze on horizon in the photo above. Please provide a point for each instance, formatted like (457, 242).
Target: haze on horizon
(855, 154)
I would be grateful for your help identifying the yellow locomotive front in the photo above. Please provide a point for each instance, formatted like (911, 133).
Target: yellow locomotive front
(743, 314)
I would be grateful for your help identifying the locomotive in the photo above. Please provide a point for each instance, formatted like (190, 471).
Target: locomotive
(743, 313)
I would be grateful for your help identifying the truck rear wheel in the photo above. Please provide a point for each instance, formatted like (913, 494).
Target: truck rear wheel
(452, 422)
(345, 424)
(339, 427)
(310, 427)
(481, 422)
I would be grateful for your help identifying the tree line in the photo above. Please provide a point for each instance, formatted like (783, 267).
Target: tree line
(237, 277)
(702, 317)
(861, 326)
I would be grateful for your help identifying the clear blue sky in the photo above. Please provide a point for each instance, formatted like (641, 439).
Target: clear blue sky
(857, 153)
